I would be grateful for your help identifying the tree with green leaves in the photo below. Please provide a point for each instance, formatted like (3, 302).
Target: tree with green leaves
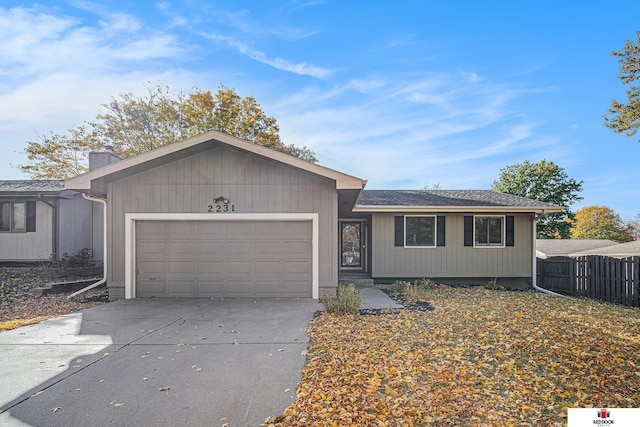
(599, 222)
(547, 182)
(621, 117)
(134, 124)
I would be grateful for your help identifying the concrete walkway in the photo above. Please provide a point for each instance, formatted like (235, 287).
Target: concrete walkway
(371, 297)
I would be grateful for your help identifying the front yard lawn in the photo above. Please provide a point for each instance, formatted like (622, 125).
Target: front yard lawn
(480, 358)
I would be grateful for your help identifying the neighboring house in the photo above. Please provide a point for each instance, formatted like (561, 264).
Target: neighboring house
(41, 221)
(618, 250)
(547, 248)
(218, 216)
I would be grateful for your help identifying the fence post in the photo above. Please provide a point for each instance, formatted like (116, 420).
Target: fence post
(635, 283)
(572, 276)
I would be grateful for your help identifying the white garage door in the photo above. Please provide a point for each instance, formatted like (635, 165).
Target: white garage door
(223, 258)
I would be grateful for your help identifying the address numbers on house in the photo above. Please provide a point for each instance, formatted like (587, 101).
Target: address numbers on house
(220, 205)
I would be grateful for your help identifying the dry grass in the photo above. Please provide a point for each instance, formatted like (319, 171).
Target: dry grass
(482, 358)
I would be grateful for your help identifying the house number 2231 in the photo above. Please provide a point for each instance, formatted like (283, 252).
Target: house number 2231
(221, 208)
(221, 204)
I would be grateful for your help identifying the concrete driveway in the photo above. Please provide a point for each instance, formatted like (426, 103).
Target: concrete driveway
(143, 362)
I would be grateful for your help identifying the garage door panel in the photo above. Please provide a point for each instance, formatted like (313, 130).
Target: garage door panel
(241, 250)
(298, 230)
(291, 267)
(242, 230)
(297, 251)
(209, 268)
(151, 268)
(181, 288)
(150, 288)
(268, 251)
(182, 250)
(210, 230)
(224, 258)
(211, 288)
(151, 249)
(240, 288)
(270, 288)
(211, 250)
(268, 267)
(238, 270)
(151, 228)
(274, 230)
(182, 270)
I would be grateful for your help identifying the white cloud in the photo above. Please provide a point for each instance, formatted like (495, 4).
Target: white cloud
(301, 68)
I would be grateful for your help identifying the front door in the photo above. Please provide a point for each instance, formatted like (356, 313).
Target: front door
(353, 238)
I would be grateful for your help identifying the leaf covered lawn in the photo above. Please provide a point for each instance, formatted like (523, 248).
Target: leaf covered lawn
(480, 358)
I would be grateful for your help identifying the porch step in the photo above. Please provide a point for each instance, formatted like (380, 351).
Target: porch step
(359, 282)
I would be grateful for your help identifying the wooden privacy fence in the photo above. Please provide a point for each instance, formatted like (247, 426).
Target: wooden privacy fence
(599, 277)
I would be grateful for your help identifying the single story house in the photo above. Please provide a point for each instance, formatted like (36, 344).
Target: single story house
(617, 250)
(41, 221)
(548, 248)
(215, 215)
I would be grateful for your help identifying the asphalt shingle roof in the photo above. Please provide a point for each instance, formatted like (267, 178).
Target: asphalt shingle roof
(444, 198)
(616, 250)
(564, 247)
(35, 185)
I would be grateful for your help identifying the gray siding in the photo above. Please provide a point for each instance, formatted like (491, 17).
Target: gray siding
(34, 246)
(251, 183)
(75, 224)
(454, 260)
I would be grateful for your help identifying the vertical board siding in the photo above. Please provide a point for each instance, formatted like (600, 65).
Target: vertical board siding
(453, 260)
(32, 246)
(251, 183)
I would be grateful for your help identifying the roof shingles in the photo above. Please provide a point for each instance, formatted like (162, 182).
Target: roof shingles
(446, 198)
(31, 186)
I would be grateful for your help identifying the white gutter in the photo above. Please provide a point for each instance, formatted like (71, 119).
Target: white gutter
(104, 243)
(534, 269)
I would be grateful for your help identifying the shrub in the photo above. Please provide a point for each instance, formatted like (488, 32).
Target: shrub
(400, 286)
(413, 291)
(424, 283)
(492, 285)
(346, 301)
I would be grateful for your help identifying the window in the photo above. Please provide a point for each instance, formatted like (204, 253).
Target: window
(489, 231)
(420, 231)
(13, 216)
(416, 231)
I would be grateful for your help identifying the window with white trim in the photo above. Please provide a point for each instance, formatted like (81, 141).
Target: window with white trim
(420, 231)
(488, 230)
(13, 216)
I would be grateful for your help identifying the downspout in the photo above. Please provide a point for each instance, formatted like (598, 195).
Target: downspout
(104, 247)
(534, 269)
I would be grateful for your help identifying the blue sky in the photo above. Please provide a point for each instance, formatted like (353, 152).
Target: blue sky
(403, 94)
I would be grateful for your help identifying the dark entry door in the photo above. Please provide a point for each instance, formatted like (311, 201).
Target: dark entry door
(353, 254)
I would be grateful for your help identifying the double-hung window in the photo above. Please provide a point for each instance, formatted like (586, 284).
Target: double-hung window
(420, 231)
(489, 230)
(13, 216)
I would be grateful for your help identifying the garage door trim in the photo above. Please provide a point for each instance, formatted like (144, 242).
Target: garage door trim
(130, 240)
